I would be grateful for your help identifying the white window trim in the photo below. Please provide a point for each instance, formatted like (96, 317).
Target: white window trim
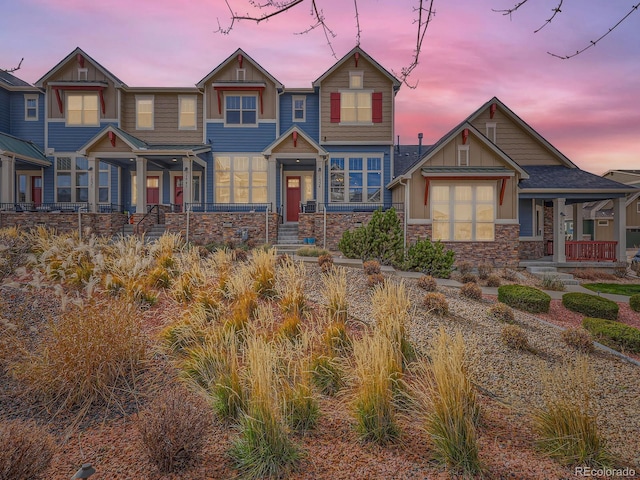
(83, 124)
(153, 111)
(150, 173)
(304, 108)
(356, 90)
(637, 207)
(491, 126)
(356, 73)
(108, 187)
(83, 72)
(231, 156)
(241, 125)
(463, 154)
(195, 112)
(72, 172)
(241, 74)
(365, 171)
(27, 118)
(603, 223)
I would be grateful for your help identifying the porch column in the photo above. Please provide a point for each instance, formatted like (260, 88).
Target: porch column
(319, 181)
(187, 181)
(620, 227)
(141, 184)
(578, 221)
(559, 253)
(93, 184)
(272, 176)
(7, 180)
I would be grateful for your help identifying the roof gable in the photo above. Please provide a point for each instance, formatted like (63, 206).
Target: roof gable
(78, 53)
(235, 57)
(11, 81)
(298, 134)
(22, 149)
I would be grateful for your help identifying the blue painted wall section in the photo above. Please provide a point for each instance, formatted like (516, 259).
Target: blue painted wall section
(27, 130)
(230, 139)
(70, 139)
(311, 125)
(5, 111)
(525, 213)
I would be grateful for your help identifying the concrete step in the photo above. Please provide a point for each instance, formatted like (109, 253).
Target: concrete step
(536, 269)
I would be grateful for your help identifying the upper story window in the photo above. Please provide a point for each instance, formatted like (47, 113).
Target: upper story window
(463, 155)
(356, 80)
(241, 109)
(491, 131)
(83, 74)
(241, 74)
(356, 105)
(144, 113)
(356, 179)
(187, 111)
(299, 108)
(31, 108)
(82, 109)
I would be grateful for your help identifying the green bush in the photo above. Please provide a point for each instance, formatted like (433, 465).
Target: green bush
(430, 258)
(381, 239)
(525, 298)
(634, 302)
(616, 335)
(591, 305)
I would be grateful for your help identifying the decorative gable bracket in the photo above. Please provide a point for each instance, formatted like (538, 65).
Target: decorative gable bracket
(84, 88)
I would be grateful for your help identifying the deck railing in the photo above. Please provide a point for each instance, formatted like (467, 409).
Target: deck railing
(228, 207)
(359, 207)
(44, 207)
(590, 251)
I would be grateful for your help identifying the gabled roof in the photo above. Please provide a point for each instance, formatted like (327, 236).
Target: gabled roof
(405, 156)
(559, 177)
(232, 57)
(22, 149)
(285, 135)
(78, 50)
(9, 80)
(619, 170)
(394, 80)
(509, 113)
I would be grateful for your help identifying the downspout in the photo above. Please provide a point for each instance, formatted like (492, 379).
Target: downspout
(324, 228)
(406, 209)
(266, 225)
(188, 223)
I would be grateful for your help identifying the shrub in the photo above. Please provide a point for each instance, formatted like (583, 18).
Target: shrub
(471, 290)
(291, 327)
(525, 298)
(430, 258)
(174, 428)
(263, 266)
(620, 271)
(311, 252)
(375, 279)
(634, 302)
(371, 267)
(501, 312)
(552, 282)
(591, 305)
(327, 374)
(301, 407)
(380, 239)
(515, 337)
(509, 274)
(493, 281)
(464, 267)
(335, 293)
(27, 450)
(428, 283)
(336, 338)
(436, 303)
(578, 338)
(325, 262)
(484, 270)
(240, 255)
(468, 278)
(614, 334)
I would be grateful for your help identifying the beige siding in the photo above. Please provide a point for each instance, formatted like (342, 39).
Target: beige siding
(104, 146)
(397, 195)
(374, 80)
(633, 217)
(623, 177)
(303, 147)
(252, 75)
(69, 72)
(516, 141)
(165, 118)
(604, 233)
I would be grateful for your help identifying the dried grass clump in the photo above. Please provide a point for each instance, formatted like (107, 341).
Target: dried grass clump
(325, 262)
(484, 270)
(509, 274)
(335, 293)
(14, 247)
(291, 327)
(263, 270)
(578, 338)
(26, 450)
(174, 428)
(468, 278)
(371, 267)
(428, 283)
(567, 428)
(552, 282)
(471, 290)
(493, 281)
(290, 285)
(464, 267)
(327, 374)
(436, 303)
(336, 339)
(390, 305)
(501, 312)
(90, 354)
(374, 279)
(593, 274)
(515, 337)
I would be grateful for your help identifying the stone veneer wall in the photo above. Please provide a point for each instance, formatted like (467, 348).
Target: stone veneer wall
(503, 252)
(223, 227)
(105, 224)
(531, 250)
(548, 225)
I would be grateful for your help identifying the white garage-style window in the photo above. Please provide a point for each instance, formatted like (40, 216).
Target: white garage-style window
(240, 179)
(463, 213)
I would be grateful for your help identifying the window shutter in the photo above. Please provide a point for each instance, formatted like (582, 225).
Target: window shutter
(335, 107)
(376, 107)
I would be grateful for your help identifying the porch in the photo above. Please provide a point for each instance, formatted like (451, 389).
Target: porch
(587, 251)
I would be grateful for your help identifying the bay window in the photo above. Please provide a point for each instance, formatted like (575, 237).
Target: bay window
(240, 179)
(463, 212)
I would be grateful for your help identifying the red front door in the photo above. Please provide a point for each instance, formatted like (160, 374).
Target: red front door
(293, 198)
(36, 190)
(177, 193)
(153, 190)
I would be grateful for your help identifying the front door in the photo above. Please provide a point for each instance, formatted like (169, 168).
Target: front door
(36, 190)
(293, 198)
(178, 199)
(153, 190)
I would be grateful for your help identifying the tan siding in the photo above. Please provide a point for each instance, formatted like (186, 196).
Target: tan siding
(397, 194)
(633, 217)
(515, 141)
(623, 177)
(374, 80)
(165, 119)
(104, 146)
(604, 233)
(303, 147)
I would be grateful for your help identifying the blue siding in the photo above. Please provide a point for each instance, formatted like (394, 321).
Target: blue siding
(311, 124)
(525, 212)
(126, 188)
(48, 182)
(278, 191)
(32, 131)
(70, 139)
(5, 109)
(230, 139)
(113, 185)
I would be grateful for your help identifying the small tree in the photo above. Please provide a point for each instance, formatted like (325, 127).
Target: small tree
(381, 239)
(430, 258)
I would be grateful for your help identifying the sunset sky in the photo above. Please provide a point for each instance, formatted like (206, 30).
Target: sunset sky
(588, 107)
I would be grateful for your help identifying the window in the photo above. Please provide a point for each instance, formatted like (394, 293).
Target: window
(603, 223)
(144, 113)
(83, 74)
(104, 172)
(355, 107)
(241, 74)
(463, 212)
(31, 108)
(72, 179)
(356, 80)
(299, 108)
(241, 109)
(82, 109)
(356, 179)
(463, 155)
(240, 179)
(637, 207)
(491, 132)
(187, 112)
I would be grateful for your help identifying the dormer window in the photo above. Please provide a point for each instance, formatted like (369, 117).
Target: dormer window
(356, 80)
(83, 74)
(241, 74)
(491, 131)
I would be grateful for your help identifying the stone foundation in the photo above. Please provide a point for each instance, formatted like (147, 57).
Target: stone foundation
(531, 250)
(101, 224)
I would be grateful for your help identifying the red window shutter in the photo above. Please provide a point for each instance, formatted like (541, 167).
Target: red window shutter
(376, 107)
(335, 107)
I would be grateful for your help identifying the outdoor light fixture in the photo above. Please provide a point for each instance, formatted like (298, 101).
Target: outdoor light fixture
(132, 159)
(85, 471)
(174, 159)
(297, 160)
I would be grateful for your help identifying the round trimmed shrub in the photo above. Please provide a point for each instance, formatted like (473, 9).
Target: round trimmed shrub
(436, 303)
(471, 290)
(634, 302)
(578, 338)
(428, 283)
(614, 334)
(493, 281)
(522, 297)
(591, 305)
(501, 312)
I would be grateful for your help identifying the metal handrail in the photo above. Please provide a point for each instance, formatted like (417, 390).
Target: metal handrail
(153, 207)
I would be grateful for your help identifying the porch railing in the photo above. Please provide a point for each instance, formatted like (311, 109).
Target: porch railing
(587, 251)
(359, 207)
(44, 207)
(228, 207)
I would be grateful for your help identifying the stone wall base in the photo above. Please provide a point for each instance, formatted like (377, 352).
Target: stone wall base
(102, 224)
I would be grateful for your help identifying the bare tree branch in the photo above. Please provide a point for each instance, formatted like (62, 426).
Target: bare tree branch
(555, 11)
(425, 16)
(14, 69)
(355, 5)
(509, 11)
